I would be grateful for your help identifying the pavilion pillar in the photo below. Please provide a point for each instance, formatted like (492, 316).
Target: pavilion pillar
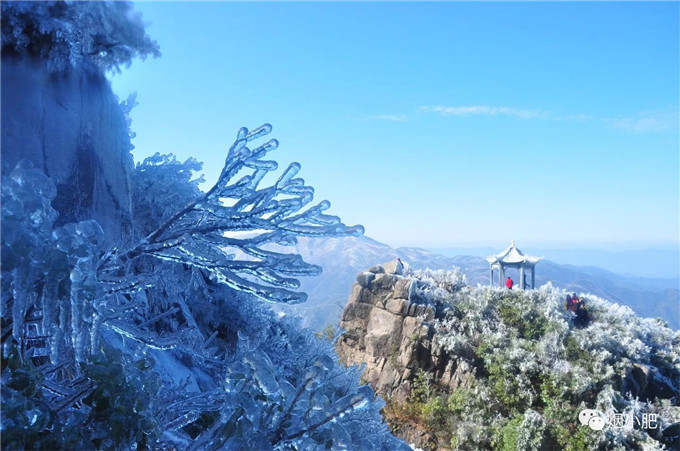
(501, 277)
(533, 275)
(491, 276)
(521, 277)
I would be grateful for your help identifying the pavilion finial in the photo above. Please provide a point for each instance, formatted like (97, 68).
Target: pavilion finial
(512, 243)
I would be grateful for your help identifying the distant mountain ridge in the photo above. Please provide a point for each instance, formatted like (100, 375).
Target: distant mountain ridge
(661, 261)
(343, 258)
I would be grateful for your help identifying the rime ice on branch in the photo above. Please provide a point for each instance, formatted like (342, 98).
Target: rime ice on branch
(229, 230)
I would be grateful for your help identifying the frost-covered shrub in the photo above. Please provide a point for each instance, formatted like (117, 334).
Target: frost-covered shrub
(65, 33)
(534, 369)
(286, 388)
(440, 283)
(162, 177)
(532, 431)
(145, 345)
(116, 399)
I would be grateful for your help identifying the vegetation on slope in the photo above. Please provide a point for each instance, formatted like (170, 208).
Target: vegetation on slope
(534, 370)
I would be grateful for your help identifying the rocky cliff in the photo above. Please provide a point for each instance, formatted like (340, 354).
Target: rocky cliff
(70, 126)
(388, 326)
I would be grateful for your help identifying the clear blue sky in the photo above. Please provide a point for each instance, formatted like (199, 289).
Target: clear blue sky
(435, 124)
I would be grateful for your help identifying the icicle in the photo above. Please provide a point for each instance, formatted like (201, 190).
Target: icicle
(77, 331)
(94, 333)
(20, 295)
(50, 312)
(59, 345)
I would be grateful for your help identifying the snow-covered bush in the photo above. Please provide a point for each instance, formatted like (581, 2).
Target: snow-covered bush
(438, 284)
(534, 368)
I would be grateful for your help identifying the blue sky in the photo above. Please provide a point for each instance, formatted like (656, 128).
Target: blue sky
(435, 124)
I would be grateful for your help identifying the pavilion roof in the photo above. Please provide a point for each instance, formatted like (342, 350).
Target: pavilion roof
(512, 255)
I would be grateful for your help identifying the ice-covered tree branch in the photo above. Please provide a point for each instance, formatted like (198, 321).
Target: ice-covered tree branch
(233, 230)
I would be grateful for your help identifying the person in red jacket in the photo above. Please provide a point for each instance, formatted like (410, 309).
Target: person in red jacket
(509, 283)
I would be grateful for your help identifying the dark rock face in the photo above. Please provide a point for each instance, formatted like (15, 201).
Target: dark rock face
(647, 383)
(389, 328)
(671, 436)
(71, 127)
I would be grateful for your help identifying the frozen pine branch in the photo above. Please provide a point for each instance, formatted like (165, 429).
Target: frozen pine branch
(231, 229)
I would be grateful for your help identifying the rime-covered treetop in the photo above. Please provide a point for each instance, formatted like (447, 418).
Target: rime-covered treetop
(107, 33)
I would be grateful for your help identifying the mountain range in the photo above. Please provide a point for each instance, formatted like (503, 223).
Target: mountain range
(653, 260)
(343, 258)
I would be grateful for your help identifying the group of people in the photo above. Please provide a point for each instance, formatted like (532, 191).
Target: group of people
(578, 306)
(574, 304)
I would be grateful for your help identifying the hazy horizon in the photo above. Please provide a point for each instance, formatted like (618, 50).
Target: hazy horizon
(661, 261)
(608, 246)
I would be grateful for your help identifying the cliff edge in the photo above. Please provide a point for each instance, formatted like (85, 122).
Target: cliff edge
(388, 326)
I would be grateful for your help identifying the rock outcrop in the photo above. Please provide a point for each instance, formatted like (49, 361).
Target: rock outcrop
(388, 326)
(72, 127)
(648, 383)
